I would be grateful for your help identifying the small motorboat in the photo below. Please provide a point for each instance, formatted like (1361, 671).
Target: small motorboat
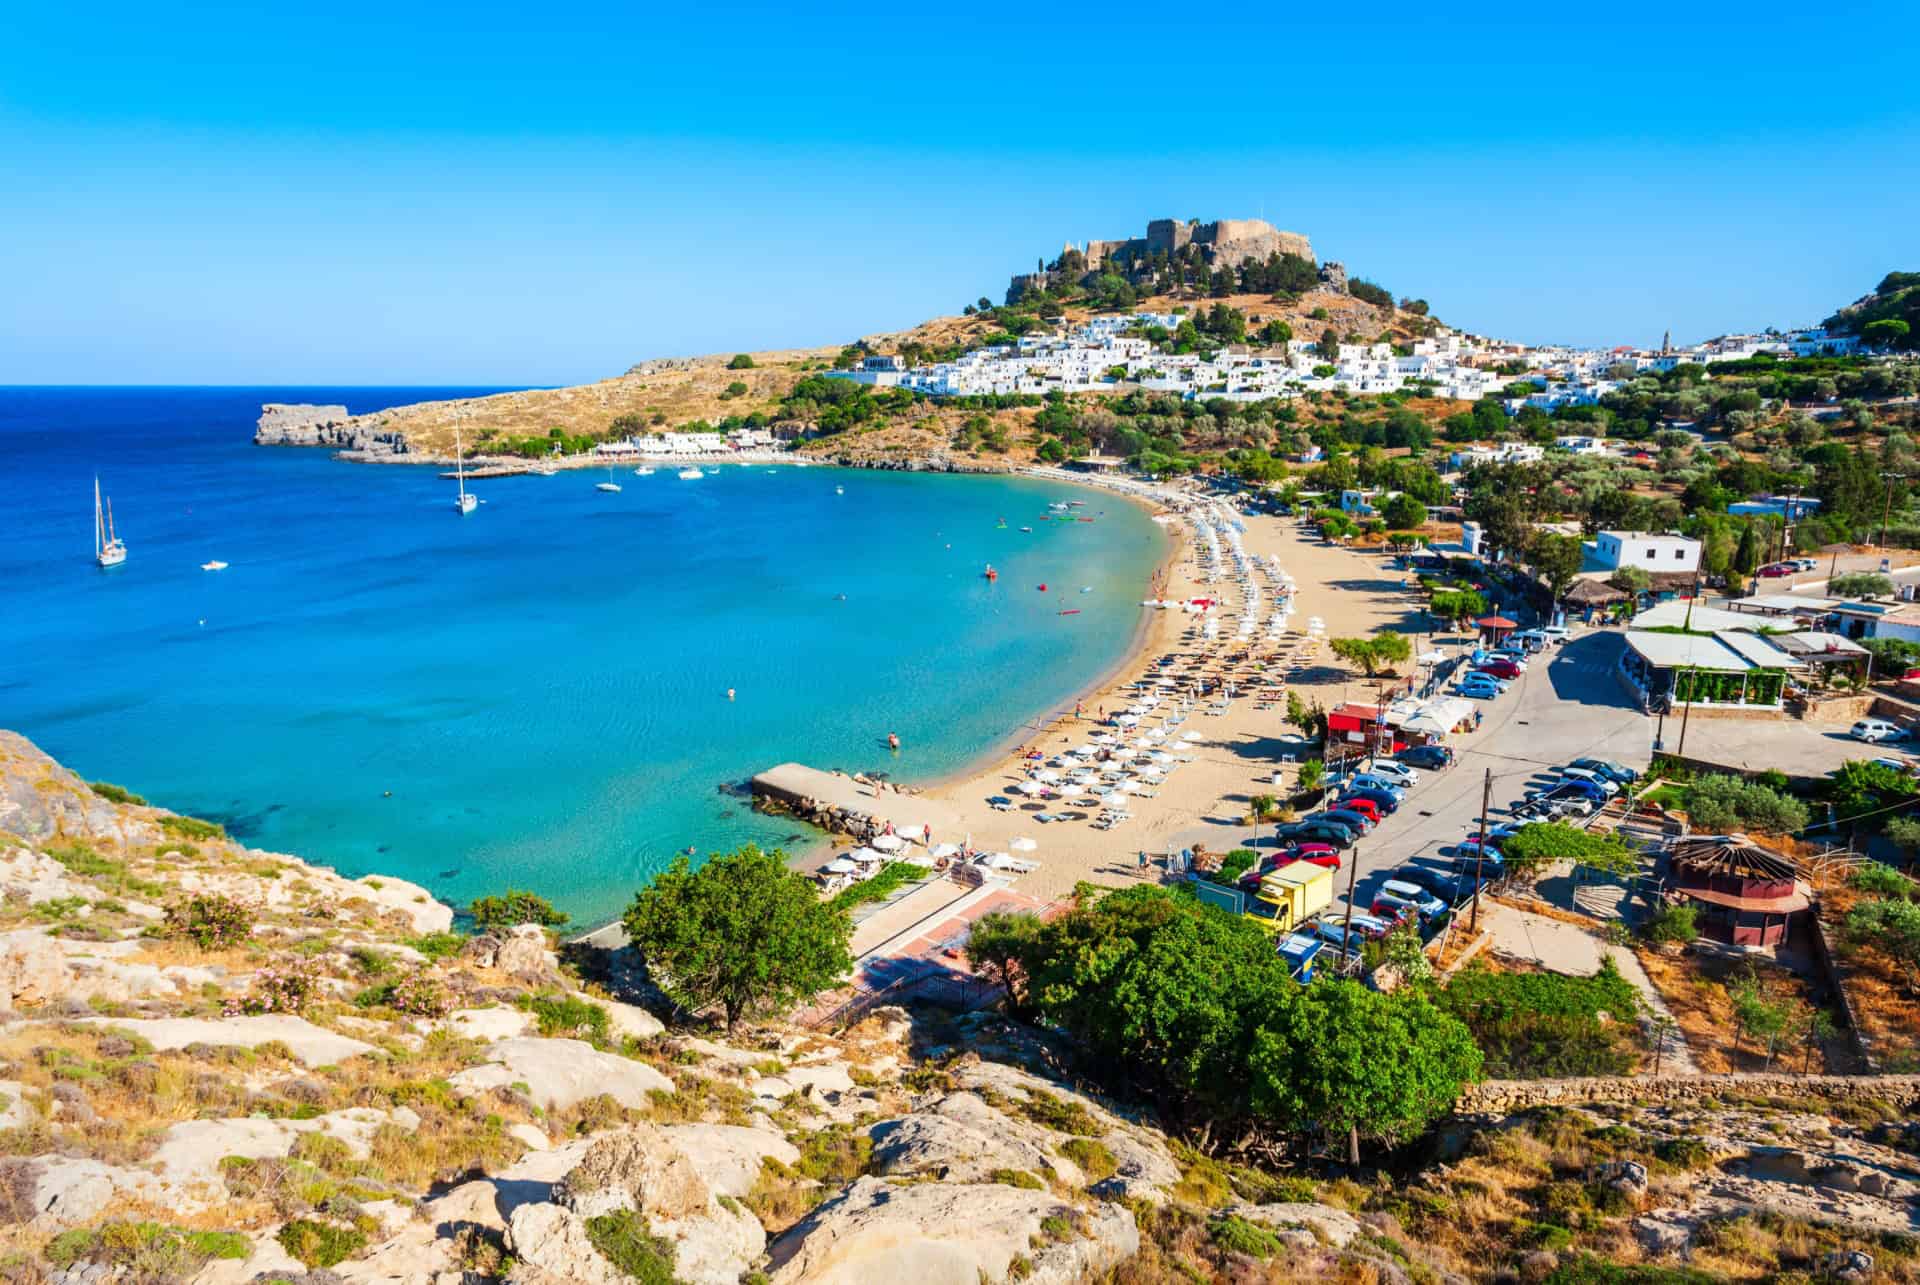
(990, 573)
(1071, 612)
(643, 472)
(606, 486)
(691, 475)
(839, 490)
(1027, 529)
(213, 566)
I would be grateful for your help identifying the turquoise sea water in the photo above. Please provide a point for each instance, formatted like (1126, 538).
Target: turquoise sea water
(541, 685)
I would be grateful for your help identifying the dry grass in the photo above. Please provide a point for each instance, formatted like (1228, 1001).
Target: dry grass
(1696, 986)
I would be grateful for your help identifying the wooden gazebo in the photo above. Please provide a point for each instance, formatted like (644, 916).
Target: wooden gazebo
(1592, 593)
(1746, 895)
(1494, 629)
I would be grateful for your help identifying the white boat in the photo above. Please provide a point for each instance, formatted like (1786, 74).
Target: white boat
(465, 502)
(643, 471)
(608, 485)
(213, 566)
(691, 474)
(839, 490)
(108, 549)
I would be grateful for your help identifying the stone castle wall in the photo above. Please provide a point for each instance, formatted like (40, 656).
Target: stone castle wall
(1224, 242)
(1502, 1097)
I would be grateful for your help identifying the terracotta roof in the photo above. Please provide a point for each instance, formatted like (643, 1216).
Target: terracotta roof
(1799, 899)
(1497, 622)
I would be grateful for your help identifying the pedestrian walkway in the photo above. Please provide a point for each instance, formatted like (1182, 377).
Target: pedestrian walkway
(1675, 1058)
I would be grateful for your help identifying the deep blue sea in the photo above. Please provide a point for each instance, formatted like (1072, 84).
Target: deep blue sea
(541, 685)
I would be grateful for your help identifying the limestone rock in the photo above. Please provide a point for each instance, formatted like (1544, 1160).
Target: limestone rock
(523, 953)
(72, 1192)
(628, 1020)
(191, 1150)
(1849, 1265)
(39, 798)
(312, 1045)
(961, 1139)
(560, 1073)
(728, 1156)
(1628, 1177)
(934, 1234)
(1664, 1231)
(553, 1241)
(1336, 1227)
(488, 1023)
(638, 1168)
(33, 969)
(17, 1112)
(416, 904)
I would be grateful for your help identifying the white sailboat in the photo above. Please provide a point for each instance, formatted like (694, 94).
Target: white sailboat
(608, 485)
(467, 502)
(643, 471)
(108, 549)
(691, 474)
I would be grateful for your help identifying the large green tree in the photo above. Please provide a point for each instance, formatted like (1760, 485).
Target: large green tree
(1346, 1060)
(1557, 559)
(743, 933)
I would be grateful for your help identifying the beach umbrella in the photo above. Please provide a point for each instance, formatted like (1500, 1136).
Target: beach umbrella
(888, 843)
(945, 850)
(1022, 844)
(865, 856)
(839, 866)
(1051, 778)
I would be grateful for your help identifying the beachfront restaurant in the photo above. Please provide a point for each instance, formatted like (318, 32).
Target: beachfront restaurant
(1742, 894)
(1728, 668)
(1408, 722)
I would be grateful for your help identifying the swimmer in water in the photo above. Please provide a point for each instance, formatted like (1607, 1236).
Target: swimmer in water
(729, 693)
(893, 740)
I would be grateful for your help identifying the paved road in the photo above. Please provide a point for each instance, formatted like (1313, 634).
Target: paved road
(1564, 707)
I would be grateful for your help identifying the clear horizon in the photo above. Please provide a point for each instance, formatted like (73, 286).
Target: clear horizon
(489, 195)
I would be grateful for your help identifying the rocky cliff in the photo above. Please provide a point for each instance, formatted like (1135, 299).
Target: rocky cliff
(221, 1065)
(284, 424)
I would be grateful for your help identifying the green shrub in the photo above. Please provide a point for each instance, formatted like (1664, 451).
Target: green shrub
(210, 920)
(1238, 1236)
(741, 361)
(1881, 879)
(145, 1250)
(513, 908)
(320, 1244)
(1531, 1025)
(568, 1017)
(192, 828)
(438, 945)
(1719, 803)
(422, 994)
(623, 1240)
(1235, 864)
(1058, 1114)
(1017, 1178)
(1091, 1156)
(116, 794)
(1673, 922)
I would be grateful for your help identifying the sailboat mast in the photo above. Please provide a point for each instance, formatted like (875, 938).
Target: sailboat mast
(99, 532)
(110, 536)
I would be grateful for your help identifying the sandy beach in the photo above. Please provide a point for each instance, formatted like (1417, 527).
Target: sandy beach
(1240, 748)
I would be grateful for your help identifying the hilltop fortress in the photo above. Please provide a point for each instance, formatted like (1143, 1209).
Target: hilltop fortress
(1224, 243)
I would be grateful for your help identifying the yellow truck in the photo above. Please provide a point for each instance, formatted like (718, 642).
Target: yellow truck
(1290, 896)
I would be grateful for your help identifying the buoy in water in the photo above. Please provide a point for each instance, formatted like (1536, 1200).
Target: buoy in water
(729, 693)
(1043, 588)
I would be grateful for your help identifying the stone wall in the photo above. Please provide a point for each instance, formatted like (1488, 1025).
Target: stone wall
(1502, 1097)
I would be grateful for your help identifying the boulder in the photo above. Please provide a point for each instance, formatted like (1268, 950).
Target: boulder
(15, 1111)
(941, 1234)
(715, 1247)
(71, 1192)
(1336, 1227)
(33, 969)
(728, 1156)
(638, 1168)
(1628, 1177)
(1664, 1231)
(311, 1045)
(523, 952)
(553, 1242)
(40, 799)
(488, 1023)
(962, 1139)
(1849, 1265)
(1146, 1171)
(191, 1150)
(560, 1073)
(628, 1020)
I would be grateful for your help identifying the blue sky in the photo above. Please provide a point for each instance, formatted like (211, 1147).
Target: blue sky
(382, 193)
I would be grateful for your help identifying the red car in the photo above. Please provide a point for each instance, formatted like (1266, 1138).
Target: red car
(1365, 807)
(1499, 669)
(1391, 911)
(1776, 570)
(1319, 854)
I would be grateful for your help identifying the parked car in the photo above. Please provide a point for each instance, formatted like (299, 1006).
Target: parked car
(1510, 651)
(1554, 808)
(1382, 800)
(1807, 564)
(1608, 768)
(1605, 784)
(1424, 902)
(1556, 633)
(1396, 772)
(1393, 910)
(1369, 781)
(1366, 807)
(1470, 846)
(1449, 887)
(1332, 928)
(1564, 787)
(1776, 570)
(1318, 829)
(1317, 854)
(1358, 822)
(1531, 641)
(1433, 757)
(1875, 730)
(1502, 668)
(1479, 687)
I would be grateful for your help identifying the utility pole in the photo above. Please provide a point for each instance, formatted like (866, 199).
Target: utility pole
(1346, 931)
(1887, 511)
(1692, 692)
(1480, 850)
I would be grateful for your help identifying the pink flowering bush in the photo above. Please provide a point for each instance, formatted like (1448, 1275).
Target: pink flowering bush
(279, 988)
(421, 994)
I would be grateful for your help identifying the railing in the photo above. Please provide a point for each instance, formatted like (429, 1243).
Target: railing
(936, 985)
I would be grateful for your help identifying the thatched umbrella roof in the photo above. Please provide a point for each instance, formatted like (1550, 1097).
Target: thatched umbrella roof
(1734, 855)
(1593, 593)
(1496, 622)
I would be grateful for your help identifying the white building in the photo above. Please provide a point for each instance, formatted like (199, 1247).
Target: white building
(1611, 550)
